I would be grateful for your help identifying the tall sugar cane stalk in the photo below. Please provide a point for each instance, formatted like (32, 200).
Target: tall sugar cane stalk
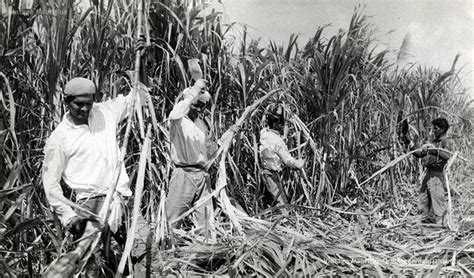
(136, 202)
(130, 107)
(400, 158)
(447, 169)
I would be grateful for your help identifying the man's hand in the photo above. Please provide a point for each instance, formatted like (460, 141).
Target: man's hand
(200, 94)
(200, 84)
(195, 69)
(234, 128)
(141, 46)
(300, 163)
(116, 212)
(421, 152)
(427, 146)
(228, 134)
(77, 226)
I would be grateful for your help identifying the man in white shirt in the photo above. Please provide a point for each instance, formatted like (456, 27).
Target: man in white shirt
(83, 151)
(274, 154)
(190, 145)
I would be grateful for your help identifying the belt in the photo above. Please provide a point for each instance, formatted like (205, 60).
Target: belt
(92, 197)
(271, 170)
(191, 166)
(435, 169)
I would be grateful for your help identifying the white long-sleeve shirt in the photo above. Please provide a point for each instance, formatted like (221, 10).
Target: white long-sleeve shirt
(85, 156)
(189, 140)
(273, 151)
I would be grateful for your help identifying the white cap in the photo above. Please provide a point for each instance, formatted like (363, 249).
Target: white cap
(79, 86)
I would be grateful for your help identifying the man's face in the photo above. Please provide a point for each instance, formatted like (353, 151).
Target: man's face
(437, 132)
(80, 108)
(279, 126)
(196, 110)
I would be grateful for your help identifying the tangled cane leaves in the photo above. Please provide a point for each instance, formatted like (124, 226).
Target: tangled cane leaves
(338, 93)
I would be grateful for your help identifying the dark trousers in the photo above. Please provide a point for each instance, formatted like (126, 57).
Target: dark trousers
(142, 233)
(272, 181)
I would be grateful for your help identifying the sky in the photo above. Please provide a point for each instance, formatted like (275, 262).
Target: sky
(438, 29)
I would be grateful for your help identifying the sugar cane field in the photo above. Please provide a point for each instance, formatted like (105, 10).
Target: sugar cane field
(353, 122)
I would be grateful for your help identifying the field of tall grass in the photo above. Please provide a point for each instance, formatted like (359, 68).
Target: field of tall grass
(344, 101)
